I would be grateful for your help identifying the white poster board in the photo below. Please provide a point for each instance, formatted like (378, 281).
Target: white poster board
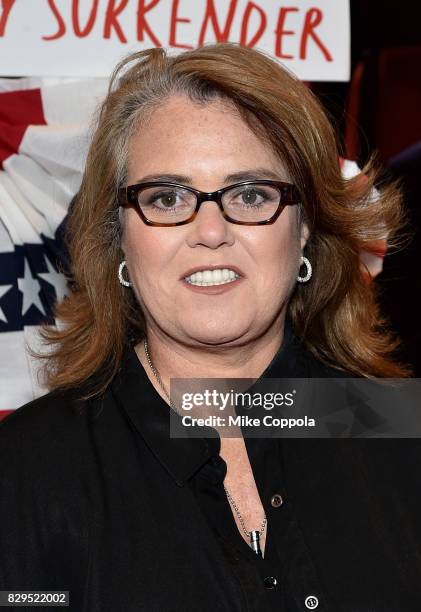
(86, 38)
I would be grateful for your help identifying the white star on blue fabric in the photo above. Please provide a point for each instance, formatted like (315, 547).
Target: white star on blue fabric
(56, 279)
(3, 290)
(30, 288)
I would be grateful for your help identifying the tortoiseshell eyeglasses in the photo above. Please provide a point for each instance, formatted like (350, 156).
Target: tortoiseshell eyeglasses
(248, 203)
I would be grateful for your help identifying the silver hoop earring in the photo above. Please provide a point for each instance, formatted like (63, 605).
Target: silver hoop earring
(306, 262)
(120, 275)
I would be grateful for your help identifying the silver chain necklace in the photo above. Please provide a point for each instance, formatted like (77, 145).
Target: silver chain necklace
(254, 536)
(157, 375)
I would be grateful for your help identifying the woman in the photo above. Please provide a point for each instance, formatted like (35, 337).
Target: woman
(213, 237)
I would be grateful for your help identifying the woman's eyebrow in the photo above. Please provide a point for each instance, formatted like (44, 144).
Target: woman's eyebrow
(236, 177)
(251, 175)
(169, 178)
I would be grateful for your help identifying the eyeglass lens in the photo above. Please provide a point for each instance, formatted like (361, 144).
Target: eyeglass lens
(170, 204)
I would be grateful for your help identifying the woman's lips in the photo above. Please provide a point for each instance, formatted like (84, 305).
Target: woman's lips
(213, 289)
(191, 271)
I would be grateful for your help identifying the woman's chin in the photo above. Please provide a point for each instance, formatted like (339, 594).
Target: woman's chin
(213, 335)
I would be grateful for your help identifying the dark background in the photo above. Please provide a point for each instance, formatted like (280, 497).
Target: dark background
(380, 110)
(374, 26)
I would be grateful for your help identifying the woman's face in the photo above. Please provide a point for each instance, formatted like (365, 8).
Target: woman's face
(206, 143)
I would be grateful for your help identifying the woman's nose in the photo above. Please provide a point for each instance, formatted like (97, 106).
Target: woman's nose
(210, 226)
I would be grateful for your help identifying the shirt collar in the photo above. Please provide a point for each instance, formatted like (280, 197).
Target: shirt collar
(149, 413)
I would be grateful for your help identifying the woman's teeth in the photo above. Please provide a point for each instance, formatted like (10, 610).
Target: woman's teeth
(206, 278)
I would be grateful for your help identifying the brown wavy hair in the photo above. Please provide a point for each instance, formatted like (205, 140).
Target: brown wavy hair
(336, 314)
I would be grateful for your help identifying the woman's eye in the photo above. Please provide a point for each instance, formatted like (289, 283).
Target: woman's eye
(166, 199)
(249, 197)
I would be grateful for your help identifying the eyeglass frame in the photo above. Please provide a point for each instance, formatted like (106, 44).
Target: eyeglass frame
(127, 198)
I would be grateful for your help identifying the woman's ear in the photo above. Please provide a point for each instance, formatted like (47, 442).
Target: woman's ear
(304, 234)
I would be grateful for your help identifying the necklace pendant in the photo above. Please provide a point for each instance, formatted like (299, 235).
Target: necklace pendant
(255, 542)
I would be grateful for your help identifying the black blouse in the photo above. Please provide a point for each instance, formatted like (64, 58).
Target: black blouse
(97, 499)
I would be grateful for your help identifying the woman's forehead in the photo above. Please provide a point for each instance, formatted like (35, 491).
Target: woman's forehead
(183, 137)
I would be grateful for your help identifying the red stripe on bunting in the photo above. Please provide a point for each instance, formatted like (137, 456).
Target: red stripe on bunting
(18, 109)
(4, 413)
(10, 138)
(22, 107)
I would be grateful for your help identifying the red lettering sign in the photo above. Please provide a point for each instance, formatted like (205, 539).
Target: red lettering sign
(173, 24)
(313, 18)
(211, 15)
(142, 24)
(6, 6)
(298, 34)
(60, 22)
(82, 32)
(280, 32)
(111, 21)
(245, 22)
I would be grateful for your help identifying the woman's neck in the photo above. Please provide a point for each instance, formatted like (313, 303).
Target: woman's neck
(173, 359)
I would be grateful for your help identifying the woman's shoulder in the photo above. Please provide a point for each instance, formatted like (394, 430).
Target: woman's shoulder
(43, 462)
(57, 406)
(49, 426)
